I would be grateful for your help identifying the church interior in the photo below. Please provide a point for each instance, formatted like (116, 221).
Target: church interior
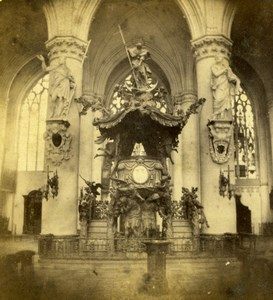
(136, 155)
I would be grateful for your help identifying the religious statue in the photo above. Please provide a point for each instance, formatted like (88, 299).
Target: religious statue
(61, 86)
(88, 203)
(149, 208)
(225, 85)
(165, 209)
(92, 188)
(132, 217)
(165, 147)
(193, 209)
(141, 71)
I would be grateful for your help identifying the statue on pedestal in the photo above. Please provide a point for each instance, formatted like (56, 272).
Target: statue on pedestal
(193, 210)
(149, 208)
(138, 55)
(87, 204)
(132, 217)
(224, 85)
(61, 86)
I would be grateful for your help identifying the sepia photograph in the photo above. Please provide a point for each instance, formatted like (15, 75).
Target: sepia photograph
(136, 149)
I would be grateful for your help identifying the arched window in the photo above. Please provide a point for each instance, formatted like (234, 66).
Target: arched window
(32, 127)
(122, 95)
(244, 137)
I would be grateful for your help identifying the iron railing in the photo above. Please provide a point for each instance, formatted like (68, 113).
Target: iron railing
(51, 246)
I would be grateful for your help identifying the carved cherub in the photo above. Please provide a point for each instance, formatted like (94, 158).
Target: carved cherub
(92, 187)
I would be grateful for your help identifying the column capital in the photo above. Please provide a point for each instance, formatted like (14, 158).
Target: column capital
(69, 46)
(185, 98)
(188, 98)
(211, 45)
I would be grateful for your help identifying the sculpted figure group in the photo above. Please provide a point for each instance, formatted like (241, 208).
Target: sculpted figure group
(139, 213)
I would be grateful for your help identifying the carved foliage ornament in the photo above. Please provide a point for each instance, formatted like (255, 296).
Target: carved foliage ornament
(220, 134)
(96, 104)
(68, 46)
(58, 142)
(210, 46)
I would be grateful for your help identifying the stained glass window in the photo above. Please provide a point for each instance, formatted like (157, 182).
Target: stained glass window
(32, 127)
(122, 95)
(244, 137)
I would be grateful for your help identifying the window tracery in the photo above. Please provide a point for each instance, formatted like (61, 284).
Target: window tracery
(32, 127)
(123, 93)
(244, 137)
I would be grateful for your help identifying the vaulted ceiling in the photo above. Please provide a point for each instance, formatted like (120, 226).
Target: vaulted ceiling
(23, 31)
(253, 45)
(159, 25)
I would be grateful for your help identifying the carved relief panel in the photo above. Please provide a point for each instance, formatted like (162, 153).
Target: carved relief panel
(58, 142)
(141, 172)
(220, 135)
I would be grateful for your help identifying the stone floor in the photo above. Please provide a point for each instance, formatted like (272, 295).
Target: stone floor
(188, 278)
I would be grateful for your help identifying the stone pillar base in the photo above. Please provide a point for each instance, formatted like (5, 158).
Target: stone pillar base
(155, 282)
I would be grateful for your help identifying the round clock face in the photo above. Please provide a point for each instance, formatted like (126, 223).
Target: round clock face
(140, 174)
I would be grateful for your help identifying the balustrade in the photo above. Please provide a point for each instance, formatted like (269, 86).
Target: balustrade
(64, 247)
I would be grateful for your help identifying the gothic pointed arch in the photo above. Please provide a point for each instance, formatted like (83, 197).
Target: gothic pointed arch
(27, 77)
(79, 13)
(32, 127)
(194, 17)
(139, 22)
(23, 27)
(200, 20)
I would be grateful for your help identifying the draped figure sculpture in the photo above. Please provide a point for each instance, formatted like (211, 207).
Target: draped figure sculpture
(61, 86)
(225, 85)
(141, 70)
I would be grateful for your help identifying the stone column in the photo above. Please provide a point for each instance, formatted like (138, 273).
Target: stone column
(270, 118)
(3, 120)
(190, 145)
(62, 137)
(156, 283)
(187, 161)
(220, 211)
(264, 143)
(97, 162)
(177, 171)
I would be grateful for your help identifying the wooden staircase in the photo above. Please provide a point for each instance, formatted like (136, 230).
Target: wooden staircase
(97, 229)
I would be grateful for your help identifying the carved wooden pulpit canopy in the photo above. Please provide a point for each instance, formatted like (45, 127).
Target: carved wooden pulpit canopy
(138, 141)
(139, 179)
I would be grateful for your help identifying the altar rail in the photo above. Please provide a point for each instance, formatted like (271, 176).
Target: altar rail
(65, 247)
